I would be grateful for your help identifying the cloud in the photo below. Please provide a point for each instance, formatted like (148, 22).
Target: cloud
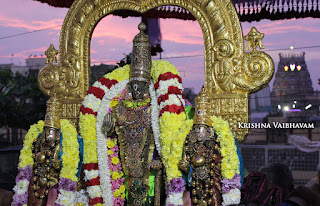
(30, 25)
(179, 31)
(26, 53)
(117, 27)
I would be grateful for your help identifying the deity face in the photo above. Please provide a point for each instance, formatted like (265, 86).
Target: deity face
(51, 134)
(202, 132)
(138, 89)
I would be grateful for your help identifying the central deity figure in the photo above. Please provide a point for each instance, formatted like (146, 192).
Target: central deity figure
(131, 121)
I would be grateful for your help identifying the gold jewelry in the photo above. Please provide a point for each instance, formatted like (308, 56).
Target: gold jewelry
(202, 110)
(141, 56)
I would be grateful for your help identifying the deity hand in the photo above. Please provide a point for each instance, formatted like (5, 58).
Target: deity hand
(155, 165)
(184, 165)
(55, 159)
(108, 125)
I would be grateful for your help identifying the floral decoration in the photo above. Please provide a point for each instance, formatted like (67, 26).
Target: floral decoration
(98, 176)
(231, 181)
(167, 114)
(25, 165)
(136, 104)
(174, 126)
(70, 160)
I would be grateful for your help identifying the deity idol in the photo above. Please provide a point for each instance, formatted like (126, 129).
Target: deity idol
(50, 162)
(131, 121)
(202, 158)
(47, 166)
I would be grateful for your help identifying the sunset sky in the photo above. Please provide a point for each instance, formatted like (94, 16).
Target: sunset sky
(113, 36)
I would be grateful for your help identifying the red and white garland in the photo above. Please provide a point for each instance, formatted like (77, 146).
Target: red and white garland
(169, 130)
(88, 119)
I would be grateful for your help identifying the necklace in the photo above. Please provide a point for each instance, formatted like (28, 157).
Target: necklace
(135, 104)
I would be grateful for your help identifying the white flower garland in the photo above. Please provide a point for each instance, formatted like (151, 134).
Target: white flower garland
(68, 171)
(82, 198)
(173, 99)
(165, 84)
(104, 170)
(155, 118)
(231, 198)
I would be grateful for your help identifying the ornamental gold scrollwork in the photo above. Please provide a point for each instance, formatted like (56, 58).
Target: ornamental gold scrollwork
(258, 69)
(228, 70)
(242, 74)
(247, 74)
(62, 81)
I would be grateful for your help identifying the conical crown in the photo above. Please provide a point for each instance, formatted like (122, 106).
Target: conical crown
(202, 110)
(52, 118)
(141, 56)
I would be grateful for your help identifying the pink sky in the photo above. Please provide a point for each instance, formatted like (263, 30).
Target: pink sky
(113, 35)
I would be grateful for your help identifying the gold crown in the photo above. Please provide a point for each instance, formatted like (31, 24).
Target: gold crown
(141, 56)
(52, 118)
(202, 110)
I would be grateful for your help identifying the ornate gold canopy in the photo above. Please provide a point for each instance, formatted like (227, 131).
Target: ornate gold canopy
(230, 73)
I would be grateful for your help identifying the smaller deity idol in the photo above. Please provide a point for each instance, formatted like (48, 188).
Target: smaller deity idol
(202, 159)
(47, 165)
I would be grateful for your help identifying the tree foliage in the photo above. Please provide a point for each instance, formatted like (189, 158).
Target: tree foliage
(21, 102)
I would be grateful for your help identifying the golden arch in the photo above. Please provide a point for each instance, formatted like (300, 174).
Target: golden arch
(230, 74)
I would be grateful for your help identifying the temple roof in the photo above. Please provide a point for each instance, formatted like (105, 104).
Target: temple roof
(248, 10)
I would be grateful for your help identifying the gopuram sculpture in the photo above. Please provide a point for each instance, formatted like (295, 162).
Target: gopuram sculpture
(208, 147)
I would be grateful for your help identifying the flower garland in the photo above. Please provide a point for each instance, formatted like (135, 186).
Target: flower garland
(167, 99)
(231, 182)
(174, 126)
(25, 165)
(110, 169)
(70, 161)
(135, 104)
(112, 83)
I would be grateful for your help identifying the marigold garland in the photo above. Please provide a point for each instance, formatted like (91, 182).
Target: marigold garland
(70, 161)
(135, 104)
(165, 75)
(25, 157)
(88, 130)
(174, 126)
(70, 148)
(229, 163)
(25, 165)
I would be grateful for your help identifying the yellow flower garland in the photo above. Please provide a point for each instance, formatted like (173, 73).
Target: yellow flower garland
(87, 126)
(161, 66)
(87, 122)
(26, 152)
(230, 161)
(173, 127)
(135, 104)
(70, 147)
(70, 151)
